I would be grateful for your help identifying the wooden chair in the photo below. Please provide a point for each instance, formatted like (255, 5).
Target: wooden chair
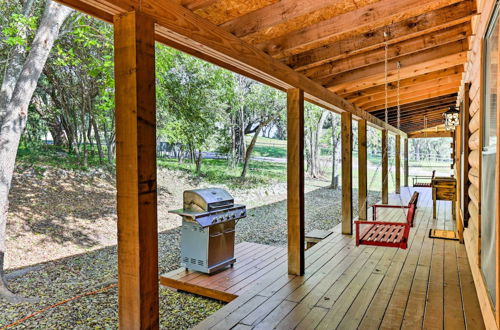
(426, 184)
(392, 234)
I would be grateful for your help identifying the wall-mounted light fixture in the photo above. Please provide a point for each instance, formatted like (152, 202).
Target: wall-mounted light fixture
(451, 118)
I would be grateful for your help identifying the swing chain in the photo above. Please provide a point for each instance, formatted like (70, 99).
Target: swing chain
(386, 48)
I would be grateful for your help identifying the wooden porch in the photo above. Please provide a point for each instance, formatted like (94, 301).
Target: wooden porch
(429, 285)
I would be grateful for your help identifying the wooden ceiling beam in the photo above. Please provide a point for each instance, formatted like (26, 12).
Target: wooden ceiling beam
(274, 14)
(432, 77)
(362, 79)
(439, 19)
(412, 114)
(376, 71)
(404, 97)
(417, 126)
(422, 96)
(425, 103)
(394, 52)
(194, 5)
(180, 26)
(362, 20)
(453, 80)
(418, 111)
(424, 135)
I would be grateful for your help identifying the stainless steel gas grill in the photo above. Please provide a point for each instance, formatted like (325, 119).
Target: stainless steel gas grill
(208, 227)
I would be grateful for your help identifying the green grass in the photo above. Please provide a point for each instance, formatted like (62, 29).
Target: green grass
(50, 155)
(266, 147)
(218, 171)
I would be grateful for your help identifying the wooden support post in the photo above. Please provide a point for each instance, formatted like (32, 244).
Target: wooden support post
(295, 155)
(346, 173)
(385, 167)
(398, 164)
(405, 162)
(362, 171)
(136, 171)
(457, 214)
(466, 150)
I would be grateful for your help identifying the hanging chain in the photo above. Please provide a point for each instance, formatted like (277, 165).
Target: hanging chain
(386, 46)
(399, 108)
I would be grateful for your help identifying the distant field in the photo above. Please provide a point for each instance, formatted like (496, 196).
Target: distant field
(266, 147)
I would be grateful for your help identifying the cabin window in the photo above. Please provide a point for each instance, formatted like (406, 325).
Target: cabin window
(490, 84)
(488, 157)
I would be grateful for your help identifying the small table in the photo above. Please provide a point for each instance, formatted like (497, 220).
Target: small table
(445, 189)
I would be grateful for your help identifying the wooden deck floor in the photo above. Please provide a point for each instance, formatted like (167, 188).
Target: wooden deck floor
(253, 261)
(429, 285)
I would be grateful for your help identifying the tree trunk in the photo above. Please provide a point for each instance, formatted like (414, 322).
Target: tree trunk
(250, 147)
(98, 140)
(317, 138)
(16, 113)
(199, 159)
(14, 66)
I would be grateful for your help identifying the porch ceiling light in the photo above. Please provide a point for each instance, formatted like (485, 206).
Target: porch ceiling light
(451, 118)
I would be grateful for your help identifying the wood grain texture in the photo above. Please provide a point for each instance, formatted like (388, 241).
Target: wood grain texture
(455, 14)
(385, 167)
(362, 171)
(366, 19)
(136, 171)
(406, 168)
(398, 164)
(346, 139)
(295, 175)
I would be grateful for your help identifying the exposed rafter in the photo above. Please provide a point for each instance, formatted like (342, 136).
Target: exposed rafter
(355, 22)
(455, 14)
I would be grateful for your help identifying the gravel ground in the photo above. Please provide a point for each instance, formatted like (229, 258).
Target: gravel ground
(87, 255)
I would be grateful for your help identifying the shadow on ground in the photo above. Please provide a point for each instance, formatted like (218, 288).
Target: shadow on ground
(64, 278)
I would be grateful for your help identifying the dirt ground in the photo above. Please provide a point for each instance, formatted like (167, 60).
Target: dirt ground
(62, 243)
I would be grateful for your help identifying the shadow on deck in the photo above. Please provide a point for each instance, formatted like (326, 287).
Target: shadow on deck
(429, 285)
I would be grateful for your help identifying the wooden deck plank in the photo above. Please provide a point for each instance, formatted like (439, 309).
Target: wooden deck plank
(368, 287)
(273, 318)
(453, 310)
(356, 298)
(312, 319)
(472, 309)
(375, 313)
(434, 312)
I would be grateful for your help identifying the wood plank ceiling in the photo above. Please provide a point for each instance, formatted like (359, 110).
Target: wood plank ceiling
(341, 45)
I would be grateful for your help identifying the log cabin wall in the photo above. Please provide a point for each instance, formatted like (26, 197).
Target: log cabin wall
(473, 104)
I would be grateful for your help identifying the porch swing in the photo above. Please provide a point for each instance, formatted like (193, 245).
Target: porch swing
(420, 181)
(383, 233)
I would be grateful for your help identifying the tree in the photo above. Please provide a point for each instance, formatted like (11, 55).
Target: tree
(264, 104)
(334, 123)
(190, 99)
(314, 120)
(16, 104)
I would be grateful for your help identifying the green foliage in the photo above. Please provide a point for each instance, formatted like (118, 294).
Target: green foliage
(190, 94)
(40, 155)
(217, 171)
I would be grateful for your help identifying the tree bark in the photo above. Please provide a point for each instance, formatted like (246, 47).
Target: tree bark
(14, 66)
(16, 114)
(250, 147)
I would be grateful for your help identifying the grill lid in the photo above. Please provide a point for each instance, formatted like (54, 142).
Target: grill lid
(208, 199)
